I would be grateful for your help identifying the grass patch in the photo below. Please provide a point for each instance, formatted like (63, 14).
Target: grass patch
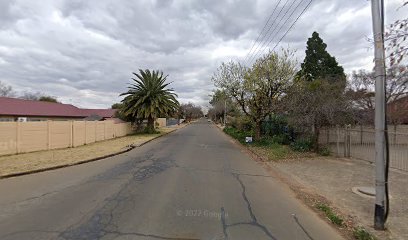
(267, 146)
(360, 233)
(332, 216)
(239, 135)
(274, 151)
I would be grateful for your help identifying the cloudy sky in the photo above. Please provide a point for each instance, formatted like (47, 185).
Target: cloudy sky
(84, 52)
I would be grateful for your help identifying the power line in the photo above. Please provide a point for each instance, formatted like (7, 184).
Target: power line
(293, 24)
(270, 16)
(280, 20)
(260, 42)
(305, 8)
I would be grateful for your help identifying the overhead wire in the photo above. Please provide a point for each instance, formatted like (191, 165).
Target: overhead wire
(261, 43)
(264, 27)
(264, 46)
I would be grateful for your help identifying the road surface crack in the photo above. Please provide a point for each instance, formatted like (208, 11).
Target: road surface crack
(254, 220)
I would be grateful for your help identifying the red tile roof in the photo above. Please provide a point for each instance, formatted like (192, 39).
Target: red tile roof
(21, 107)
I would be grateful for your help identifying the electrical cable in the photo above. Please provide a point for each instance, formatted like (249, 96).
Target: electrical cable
(386, 138)
(262, 45)
(267, 36)
(297, 6)
(270, 16)
(293, 24)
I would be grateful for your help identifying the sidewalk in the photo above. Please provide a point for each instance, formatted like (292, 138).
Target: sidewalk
(45, 160)
(334, 179)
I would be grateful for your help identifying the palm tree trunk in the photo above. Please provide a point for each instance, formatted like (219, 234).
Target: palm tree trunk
(150, 124)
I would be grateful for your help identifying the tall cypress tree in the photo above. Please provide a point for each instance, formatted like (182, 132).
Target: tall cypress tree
(318, 63)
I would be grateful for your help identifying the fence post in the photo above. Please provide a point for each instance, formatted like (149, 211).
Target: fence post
(18, 137)
(345, 142)
(328, 135)
(361, 134)
(338, 140)
(348, 140)
(48, 134)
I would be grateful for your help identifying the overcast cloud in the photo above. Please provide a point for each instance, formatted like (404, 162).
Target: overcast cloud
(84, 52)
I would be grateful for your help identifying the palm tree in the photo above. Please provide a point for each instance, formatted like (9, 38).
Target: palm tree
(148, 98)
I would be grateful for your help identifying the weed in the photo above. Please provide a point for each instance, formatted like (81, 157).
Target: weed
(302, 145)
(324, 151)
(361, 234)
(330, 214)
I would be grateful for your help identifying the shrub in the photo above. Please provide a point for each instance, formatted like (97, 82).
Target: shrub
(245, 124)
(302, 145)
(324, 151)
(237, 134)
(281, 139)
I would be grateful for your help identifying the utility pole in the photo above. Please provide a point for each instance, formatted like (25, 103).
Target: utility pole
(378, 30)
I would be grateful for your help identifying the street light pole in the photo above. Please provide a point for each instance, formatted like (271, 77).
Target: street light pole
(378, 31)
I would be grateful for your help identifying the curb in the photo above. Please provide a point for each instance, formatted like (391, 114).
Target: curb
(297, 188)
(127, 149)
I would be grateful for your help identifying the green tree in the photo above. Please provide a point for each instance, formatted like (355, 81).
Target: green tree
(117, 106)
(257, 90)
(318, 63)
(48, 99)
(148, 98)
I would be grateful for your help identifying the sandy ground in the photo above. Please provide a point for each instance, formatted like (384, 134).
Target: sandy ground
(44, 159)
(334, 179)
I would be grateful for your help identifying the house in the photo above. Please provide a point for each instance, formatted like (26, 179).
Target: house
(14, 109)
(398, 110)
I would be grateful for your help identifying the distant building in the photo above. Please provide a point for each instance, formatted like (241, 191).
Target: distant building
(398, 111)
(14, 109)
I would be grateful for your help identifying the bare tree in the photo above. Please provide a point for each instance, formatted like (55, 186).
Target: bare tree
(361, 90)
(190, 111)
(5, 90)
(397, 39)
(312, 105)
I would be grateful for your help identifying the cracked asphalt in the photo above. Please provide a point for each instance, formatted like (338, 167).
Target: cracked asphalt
(194, 183)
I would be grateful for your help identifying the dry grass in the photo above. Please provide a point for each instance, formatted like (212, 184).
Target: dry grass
(45, 159)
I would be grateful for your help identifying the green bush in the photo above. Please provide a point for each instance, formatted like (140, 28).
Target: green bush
(324, 151)
(281, 139)
(245, 124)
(237, 134)
(302, 145)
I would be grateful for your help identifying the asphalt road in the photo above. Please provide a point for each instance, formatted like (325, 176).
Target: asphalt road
(194, 183)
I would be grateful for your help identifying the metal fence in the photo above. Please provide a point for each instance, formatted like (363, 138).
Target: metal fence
(359, 142)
